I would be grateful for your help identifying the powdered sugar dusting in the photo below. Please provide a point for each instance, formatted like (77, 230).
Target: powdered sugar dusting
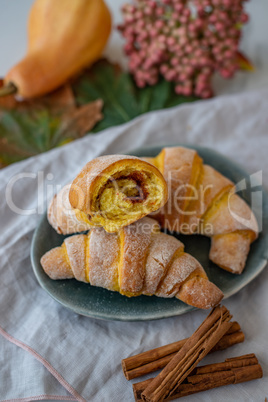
(56, 265)
(161, 250)
(230, 250)
(95, 193)
(136, 238)
(76, 252)
(232, 214)
(212, 184)
(179, 271)
(62, 216)
(103, 259)
(98, 165)
(145, 259)
(177, 170)
(200, 292)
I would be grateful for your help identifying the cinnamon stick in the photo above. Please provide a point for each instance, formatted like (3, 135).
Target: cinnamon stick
(228, 364)
(229, 340)
(192, 352)
(158, 358)
(232, 371)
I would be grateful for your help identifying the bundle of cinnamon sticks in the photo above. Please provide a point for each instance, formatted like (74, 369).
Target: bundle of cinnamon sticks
(232, 371)
(179, 376)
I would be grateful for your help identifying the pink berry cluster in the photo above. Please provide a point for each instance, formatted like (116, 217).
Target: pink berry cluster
(185, 41)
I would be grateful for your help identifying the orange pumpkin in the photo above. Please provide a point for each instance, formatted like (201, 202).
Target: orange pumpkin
(63, 37)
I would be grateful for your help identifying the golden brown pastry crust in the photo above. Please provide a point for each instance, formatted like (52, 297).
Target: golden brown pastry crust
(103, 259)
(160, 255)
(56, 263)
(88, 188)
(134, 240)
(198, 292)
(211, 185)
(229, 251)
(202, 190)
(178, 170)
(182, 268)
(210, 208)
(231, 214)
(63, 217)
(125, 262)
(76, 248)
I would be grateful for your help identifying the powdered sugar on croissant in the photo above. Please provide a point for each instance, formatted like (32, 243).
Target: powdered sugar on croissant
(203, 201)
(137, 260)
(116, 190)
(63, 217)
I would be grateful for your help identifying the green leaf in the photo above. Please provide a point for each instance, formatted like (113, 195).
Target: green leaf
(154, 97)
(122, 99)
(24, 134)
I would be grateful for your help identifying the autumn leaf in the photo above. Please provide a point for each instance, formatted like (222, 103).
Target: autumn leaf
(101, 97)
(31, 127)
(244, 63)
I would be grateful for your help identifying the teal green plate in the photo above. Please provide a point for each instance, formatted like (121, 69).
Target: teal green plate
(103, 304)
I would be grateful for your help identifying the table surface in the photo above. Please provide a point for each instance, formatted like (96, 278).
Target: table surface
(13, 21)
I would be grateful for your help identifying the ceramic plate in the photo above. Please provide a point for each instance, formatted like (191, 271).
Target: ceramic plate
(100, 303)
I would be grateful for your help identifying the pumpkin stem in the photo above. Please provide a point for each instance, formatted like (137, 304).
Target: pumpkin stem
(8, 89)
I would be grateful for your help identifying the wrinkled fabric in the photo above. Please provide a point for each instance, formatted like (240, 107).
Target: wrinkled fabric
(85, 352)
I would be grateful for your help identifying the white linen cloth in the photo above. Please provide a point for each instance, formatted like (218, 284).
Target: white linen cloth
(86, 353)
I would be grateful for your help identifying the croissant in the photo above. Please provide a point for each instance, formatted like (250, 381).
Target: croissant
(203, 201)
(138, 260)
(115, 190)
(63, 217)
